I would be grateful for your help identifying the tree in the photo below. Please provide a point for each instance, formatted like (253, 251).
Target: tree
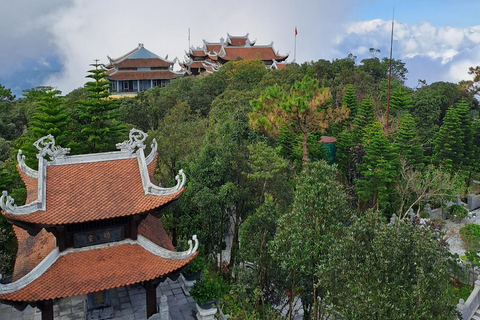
(364, 117)
(379, 169)
(448, 146)
(99, 130)
(306, 233)
(406, 140)
(388, 271)
(302, 111)
(49, 118)
(350, 100)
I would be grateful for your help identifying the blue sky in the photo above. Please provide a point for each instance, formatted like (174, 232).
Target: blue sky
(52, 42)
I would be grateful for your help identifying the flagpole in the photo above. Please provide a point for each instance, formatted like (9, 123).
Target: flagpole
(188, 38)
(295, 48)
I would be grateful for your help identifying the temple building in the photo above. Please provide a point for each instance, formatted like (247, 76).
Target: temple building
(139, 70)
(212, 56)
(91, 223)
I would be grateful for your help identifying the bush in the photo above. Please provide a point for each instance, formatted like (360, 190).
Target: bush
(424, 215)
(457, 212)
(207, 289)
(470, 234)
(197, 265)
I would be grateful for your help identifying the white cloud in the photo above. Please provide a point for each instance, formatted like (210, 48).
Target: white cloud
(455, 48)
(89, 30)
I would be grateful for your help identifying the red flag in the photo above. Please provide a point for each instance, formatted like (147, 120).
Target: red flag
(295, 31)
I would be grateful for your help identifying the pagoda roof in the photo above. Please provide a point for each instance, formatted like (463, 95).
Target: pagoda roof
(143, 75)
(139, 53)
(239, 40)
(81, 188)
(116, 264)
(264, 53)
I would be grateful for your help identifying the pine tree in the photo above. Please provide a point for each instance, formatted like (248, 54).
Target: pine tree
(448, 142)
(406, 139)
(50, 117)
(463, 111)
(400, 101)
(379, 168)
(364, 117)
(99, 128)
(350, 100)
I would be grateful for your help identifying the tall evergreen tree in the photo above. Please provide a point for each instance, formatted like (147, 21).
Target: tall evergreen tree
(406, 139)
(350, 100)
(364, 117)
(464, 115)
(400, 101)
(379, 169)
(50, 117)
(99, 130)
(448, 142)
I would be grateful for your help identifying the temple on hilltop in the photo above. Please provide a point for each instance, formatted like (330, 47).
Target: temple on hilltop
(212, 55)
(91, 223)
(139, 70)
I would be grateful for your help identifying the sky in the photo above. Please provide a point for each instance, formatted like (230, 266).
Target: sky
(52, 42)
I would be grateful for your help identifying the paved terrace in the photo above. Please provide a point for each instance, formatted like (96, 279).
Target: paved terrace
(128, 303)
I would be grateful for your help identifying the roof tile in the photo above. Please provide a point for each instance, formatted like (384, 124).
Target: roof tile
(83, 272)
(94, 191)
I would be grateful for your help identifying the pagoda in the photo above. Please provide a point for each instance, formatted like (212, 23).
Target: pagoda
(139, 70)
(212, 55)
(91, 223)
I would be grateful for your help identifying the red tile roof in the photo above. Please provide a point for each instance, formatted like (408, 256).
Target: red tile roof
(31, 250)
(213, 47)
(83, 272)
(196, 64)
(198, 53)
(252, 53)
(94, 191)
(238, 41)
(152, 229)
(144, 75)
(151, 62)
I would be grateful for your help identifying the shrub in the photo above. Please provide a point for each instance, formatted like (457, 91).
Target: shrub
(470, 234)
(207, 289)
(457, 212)
(197, 265)
(424, 215)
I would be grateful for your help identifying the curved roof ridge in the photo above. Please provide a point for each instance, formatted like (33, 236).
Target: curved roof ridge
(55, 254)
(129, 149)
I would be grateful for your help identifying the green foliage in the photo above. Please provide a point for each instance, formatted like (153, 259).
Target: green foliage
(196, 266)
(470, 234)
(380, 271)
(98, 128)
(208, 289)
(364, 117)
(350, 100)
(448, 143)
(178, 135)
(457, 212)
(406, 140)
(306, 234)
(379, 169)
(304, 110)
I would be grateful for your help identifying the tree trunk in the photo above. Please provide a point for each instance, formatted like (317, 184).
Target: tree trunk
(305, 150)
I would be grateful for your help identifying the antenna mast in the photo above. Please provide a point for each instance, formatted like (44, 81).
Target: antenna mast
(389, 73)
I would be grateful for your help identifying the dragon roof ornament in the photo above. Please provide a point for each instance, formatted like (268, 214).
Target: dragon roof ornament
(46, 146)
(136, 139)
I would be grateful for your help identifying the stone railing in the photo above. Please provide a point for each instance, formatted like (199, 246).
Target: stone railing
(468, 308)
